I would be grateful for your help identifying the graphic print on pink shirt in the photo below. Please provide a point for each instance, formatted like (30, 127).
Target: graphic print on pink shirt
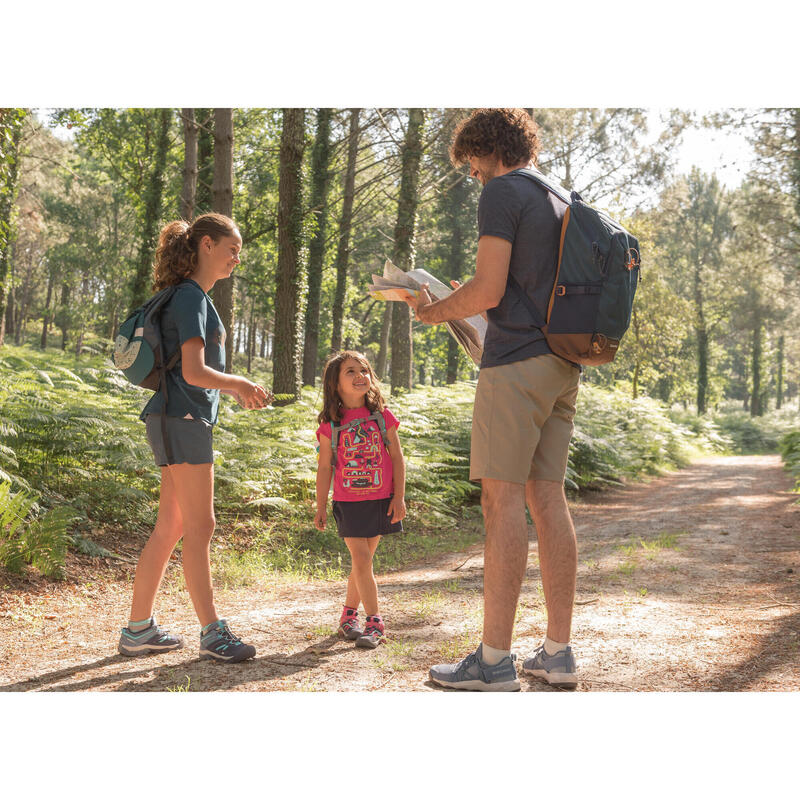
(363, 464)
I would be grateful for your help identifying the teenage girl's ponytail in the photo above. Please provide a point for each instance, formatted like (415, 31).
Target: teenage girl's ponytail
(176, 258)
(176, 254)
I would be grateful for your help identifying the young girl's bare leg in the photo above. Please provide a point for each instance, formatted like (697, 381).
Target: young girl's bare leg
(361, 575)
(353, 597)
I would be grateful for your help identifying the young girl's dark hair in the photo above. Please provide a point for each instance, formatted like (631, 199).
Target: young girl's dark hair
(176, 255)
(331, 402)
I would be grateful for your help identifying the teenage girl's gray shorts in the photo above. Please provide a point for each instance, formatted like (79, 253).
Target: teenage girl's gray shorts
(191, 440)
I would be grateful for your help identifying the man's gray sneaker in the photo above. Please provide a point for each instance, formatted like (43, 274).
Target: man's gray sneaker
(472, 673)
(557, 670)
(150, 640)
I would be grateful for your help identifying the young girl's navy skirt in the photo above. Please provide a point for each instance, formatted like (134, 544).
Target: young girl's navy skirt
(363, 519)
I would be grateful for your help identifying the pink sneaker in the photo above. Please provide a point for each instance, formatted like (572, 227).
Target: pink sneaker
(373, 633)
(348, 625)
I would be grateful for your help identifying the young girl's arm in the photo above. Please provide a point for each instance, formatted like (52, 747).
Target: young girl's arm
(324, 475)
(397, 507)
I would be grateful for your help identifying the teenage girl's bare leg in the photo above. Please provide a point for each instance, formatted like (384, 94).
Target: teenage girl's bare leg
(155, 556)
(194, 490)
(361, 586)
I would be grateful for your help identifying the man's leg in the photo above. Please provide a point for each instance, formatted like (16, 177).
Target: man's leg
(505, 557)
(558, 553)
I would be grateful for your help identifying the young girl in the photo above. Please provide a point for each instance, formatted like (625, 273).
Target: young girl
(369, 475)
(193, 258)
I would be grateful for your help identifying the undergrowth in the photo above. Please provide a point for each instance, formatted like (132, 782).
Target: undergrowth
(70, 437)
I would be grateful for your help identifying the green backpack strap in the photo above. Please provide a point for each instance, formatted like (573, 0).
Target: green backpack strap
(377, 416)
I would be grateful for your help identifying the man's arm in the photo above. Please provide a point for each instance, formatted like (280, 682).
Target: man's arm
(484, 290)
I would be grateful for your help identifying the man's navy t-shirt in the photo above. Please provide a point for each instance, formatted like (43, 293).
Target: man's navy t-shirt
(514, 208)
(188, 314)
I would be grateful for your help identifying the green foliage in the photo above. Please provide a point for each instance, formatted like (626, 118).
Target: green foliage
(756, 434)
(790, 450)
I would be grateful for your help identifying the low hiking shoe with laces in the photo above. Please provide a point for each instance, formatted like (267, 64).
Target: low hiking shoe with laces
(373, 633)
(558, 669)
(221, 644)
(472, 673)
(349, 627)
(150, 640)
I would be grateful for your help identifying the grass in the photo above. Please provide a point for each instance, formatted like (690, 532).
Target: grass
(428, 605)
(394, 654)
(187, 687)
(458, 647)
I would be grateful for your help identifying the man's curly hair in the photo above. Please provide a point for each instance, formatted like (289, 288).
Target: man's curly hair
(509, 133)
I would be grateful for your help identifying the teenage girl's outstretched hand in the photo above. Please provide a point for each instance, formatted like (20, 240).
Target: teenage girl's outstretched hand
(397, 509)
(320, 519)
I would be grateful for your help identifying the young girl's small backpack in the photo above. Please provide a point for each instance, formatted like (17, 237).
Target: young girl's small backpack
(376, 416)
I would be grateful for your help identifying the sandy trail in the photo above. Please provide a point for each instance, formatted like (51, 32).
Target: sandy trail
(690, 582)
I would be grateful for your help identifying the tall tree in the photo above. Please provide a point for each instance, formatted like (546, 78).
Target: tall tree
(290, 271)
(345, 224)
(320, 183)
(190, 134)
(222, 191)
(153, 199)
(11, 122)
(403, 252)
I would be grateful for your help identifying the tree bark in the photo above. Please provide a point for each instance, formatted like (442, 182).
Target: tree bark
(203, 200)
(222, 192)
(779, 379)
(403, 254)
(756, 409)
(345, 224)
(8, 194)
(383, 352)
(152, 213)
(47, 313)
(64, 315)
(290, 269)
(190, 136)
(320, 182)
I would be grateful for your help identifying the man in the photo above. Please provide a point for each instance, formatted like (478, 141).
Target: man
(524, 404)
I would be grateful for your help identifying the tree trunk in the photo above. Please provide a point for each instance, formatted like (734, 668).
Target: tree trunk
(290, 271)
(320, 181)
(263, 351)
(702, 370)
(779, 380)
(190, 136)
(8, 195)
(251, 336)
(47, 314)
(153, 200)
(64, 315)
(222, 191)
(345, 223)
(383, 352)
(756, 409)
(205, 161)
(403, 253)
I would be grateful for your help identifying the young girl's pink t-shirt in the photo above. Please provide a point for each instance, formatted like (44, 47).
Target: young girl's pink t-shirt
(363, 464)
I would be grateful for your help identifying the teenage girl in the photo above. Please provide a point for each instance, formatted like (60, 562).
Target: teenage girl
(193, 258)
(369, 481)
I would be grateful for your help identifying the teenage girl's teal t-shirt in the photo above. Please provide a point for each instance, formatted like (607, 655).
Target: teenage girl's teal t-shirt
(188, 314)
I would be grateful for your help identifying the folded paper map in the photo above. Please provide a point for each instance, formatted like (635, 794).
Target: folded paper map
(395, 285)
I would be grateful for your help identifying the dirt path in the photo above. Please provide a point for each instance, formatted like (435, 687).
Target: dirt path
(689, 582)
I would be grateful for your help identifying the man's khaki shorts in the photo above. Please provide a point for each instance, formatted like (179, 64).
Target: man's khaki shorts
(522, 421)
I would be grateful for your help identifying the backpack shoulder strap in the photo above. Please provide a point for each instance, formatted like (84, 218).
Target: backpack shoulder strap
(551, 186)
(378, 417)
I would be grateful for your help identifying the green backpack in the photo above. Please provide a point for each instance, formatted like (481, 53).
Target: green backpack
(596, 278)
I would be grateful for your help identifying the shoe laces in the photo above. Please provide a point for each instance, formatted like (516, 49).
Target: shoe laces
(227, 634)
(372, 629)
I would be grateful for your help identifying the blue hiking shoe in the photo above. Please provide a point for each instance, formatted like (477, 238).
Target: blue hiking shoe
(150, 640)
(221, 644)
(557, 670)
(472, 673)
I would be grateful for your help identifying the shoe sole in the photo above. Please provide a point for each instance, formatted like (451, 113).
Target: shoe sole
(207, 655)
(480, 686)
(563, 680)
(146, 649)
(349, 636)
(361, 642)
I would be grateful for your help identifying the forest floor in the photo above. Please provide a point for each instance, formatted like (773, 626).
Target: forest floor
(688, 582)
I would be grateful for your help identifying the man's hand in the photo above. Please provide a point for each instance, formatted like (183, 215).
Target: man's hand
(321, 518)
(397, 509)
(420, 303)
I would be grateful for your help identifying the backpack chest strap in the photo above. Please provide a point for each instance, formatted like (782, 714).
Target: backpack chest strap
(376, 417)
